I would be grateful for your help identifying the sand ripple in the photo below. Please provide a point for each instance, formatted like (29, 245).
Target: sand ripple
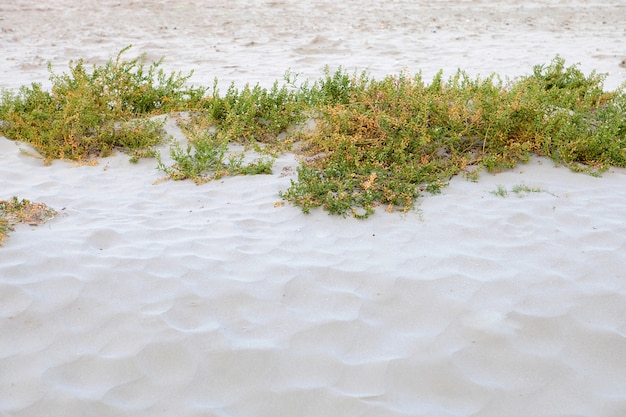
(179, 304)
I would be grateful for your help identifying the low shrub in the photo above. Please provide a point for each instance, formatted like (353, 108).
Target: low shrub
(89, 113)
(386, 142)
(374, 142)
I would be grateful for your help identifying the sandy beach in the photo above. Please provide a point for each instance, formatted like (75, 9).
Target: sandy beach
(163, 298)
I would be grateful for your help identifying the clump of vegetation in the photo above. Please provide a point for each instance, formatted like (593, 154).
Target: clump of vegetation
(385, 142)
(254, 115)
(205, 160)
(15, 211)
(89, 113)
(520, 190)
(376, 143)
(500, 191)
(206, 157)
(261, 119)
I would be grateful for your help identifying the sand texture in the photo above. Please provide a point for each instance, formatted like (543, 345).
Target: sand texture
(172, 299)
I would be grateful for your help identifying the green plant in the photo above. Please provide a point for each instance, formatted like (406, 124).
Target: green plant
(205, 159)
(500, 191)
(397, 138)
(336, 88)
(385, 142)
(253, 115)
(522, 190)
(89, 113)
(198, 158)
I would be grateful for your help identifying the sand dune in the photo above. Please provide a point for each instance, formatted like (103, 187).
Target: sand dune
(144, 299)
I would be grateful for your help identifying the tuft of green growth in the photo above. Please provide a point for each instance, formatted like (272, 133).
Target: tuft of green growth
(385, 142)
(206, 158)
(254, 115)
(520, 190)
(336, 88)
(394, 139)
(560, 113)
(89, 113)
(500, 191)
(15, 211)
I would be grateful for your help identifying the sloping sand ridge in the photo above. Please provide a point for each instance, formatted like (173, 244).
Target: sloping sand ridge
(177, 299)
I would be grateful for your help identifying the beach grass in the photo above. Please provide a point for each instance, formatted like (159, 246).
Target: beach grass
(88, 113)
(374, 142)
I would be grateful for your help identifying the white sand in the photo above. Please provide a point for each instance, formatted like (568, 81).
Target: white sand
(184, 300)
